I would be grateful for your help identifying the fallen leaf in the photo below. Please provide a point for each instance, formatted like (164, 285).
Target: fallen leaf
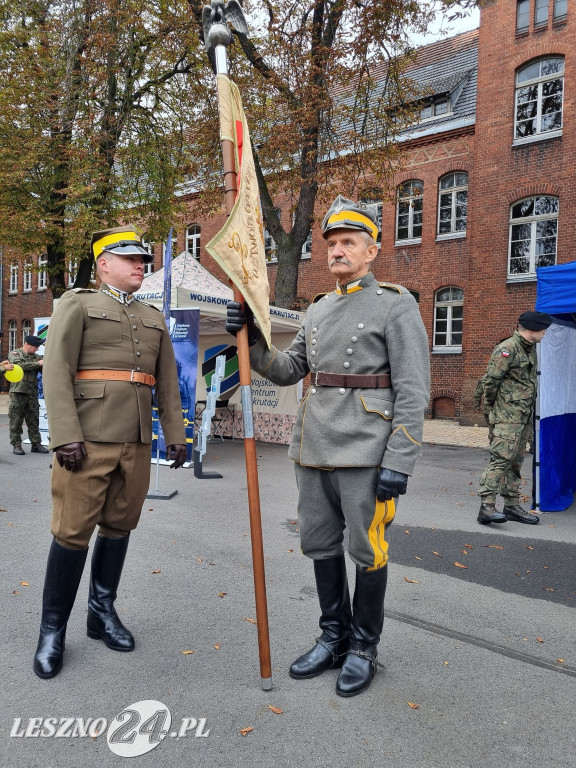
(3, 510)
(276, 710)
(244, 731)
(290, 550)
(411, 581)
(222, 594)
(199, 559)
(546, 567)
(528, 547)
(560, 661)
(492, 546)
(158, 571)
(417, 558)
(185, 653)
(468, 546)
(446, 663)
(15, 592)
(24, 584)
(548, 589)
(408, 532)
(217, 646)
(539, 639)
(413, 706)
(459, 565)
(250, 620)
(150, 509)
(464, 552)
(436, 553)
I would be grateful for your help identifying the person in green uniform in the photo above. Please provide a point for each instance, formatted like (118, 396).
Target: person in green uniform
(509, 390)
(23, 403)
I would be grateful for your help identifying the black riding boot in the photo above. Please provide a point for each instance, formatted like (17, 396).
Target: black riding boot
(334, 597)
(103, 622)
(63, 574)
(367, 619)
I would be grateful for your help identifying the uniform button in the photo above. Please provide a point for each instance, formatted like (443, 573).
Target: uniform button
(313, 341)
(103, 314)
(314, 329)
(137, 369)
(313, 365)
(354, 338)
(137, 383)
(313, 352)
(136, 341)
(132, 315)
(360, 325)
(135, 327)
(379, 291)
(313, 391)
(349, 351)
(138, 354)
(346, 365)
(154, 325)
(342, 390)
(82, 394)
(386, 413)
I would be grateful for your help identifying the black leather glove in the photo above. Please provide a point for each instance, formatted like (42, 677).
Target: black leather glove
(391, 484)
(238, 316)
(71, 456)
(177, 452)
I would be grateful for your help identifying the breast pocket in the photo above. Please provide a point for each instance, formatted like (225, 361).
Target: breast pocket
(104, 326)
(89, 402)
(152, 332)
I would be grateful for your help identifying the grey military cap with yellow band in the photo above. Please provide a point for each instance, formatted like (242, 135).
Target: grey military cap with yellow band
(122, 241)
(346, 214)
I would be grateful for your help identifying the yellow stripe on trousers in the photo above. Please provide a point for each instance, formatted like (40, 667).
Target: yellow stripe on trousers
(383, 514)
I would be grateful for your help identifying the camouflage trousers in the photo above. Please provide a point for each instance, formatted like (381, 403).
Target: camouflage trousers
(23, 407)
(502, 475)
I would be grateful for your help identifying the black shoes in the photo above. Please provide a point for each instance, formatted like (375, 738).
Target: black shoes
(103, 622)
(519, 515)
(489, 514)
(326, 654)
(38, 448)
(18, 450)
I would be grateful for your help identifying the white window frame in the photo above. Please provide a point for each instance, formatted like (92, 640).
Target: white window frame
(410, 200)
(27, 278)
(192, 243)
(453, 193)
(26, 329)
(12, 335)
(73, 265)
(532, 221)
(449, 304)
(539, 82)
(13, 278)
(42, 273)
(148, 268)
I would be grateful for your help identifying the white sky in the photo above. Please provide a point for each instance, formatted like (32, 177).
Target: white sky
(441, 28)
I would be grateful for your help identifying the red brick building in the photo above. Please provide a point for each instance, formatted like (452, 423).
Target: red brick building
(485, 196)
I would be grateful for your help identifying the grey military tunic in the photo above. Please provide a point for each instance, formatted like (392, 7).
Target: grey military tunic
(371, 328)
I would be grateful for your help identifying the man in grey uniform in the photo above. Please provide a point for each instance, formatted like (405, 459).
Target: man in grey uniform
(357, 435)
(105, 351)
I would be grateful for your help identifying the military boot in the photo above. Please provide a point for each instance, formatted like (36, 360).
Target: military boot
(103, 621)
(367, 620)
(18, 450)
(519, 515)
(63, 574)
(489, 514)
(334, 597)
(38, 448)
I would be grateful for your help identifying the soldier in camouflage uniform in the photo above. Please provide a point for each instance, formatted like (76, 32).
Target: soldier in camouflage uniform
(509, 391)
(23, 402)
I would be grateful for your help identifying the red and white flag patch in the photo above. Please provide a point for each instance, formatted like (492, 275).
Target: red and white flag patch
(505, 353)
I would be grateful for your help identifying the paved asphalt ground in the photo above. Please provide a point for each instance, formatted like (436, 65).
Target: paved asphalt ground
(478, 655)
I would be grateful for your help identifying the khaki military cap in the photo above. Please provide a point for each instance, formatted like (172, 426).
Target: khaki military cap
(346, 214)
(122, 241)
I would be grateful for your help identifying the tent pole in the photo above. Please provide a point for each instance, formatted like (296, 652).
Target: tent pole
(536, 439)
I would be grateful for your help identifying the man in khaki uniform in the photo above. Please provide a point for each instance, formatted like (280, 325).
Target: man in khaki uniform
(23, 403)
(357, 435)
(105, 351)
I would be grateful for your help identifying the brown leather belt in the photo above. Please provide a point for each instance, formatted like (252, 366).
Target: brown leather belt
(368, 381)
(136, 377)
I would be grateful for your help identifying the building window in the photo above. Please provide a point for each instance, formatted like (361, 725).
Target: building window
(533, 235)
(12, 335)
(26, 329)
(374, 197)
(72, 271)
(541, 13)
(522, 15)
(148, 268)
(560, 9)
(27, 280)
(42, 273)
(448, 312)
(453, 204)
(409, 211)
(193, 241)
(539, 92)
(164, 244)
(270, 247)
(13, 278)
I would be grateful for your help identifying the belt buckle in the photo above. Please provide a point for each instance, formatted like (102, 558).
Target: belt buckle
(315, 381)
(132, 376)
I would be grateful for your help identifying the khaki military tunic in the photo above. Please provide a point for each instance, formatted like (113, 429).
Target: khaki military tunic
(23, 403)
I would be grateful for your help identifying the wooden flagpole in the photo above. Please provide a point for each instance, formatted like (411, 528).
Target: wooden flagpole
(217, 35)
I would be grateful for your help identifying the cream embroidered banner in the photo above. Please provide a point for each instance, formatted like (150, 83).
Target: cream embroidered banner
(239, 246)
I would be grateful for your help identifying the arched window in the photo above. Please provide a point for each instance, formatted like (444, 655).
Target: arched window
(12, 335)
(453, 203)
(448, 314)
(193, 241)
(533, 235)
(539, 95)
(409, 211)
(26, 329)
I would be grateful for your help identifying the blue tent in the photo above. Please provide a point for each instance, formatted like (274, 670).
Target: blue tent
(555, 443)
